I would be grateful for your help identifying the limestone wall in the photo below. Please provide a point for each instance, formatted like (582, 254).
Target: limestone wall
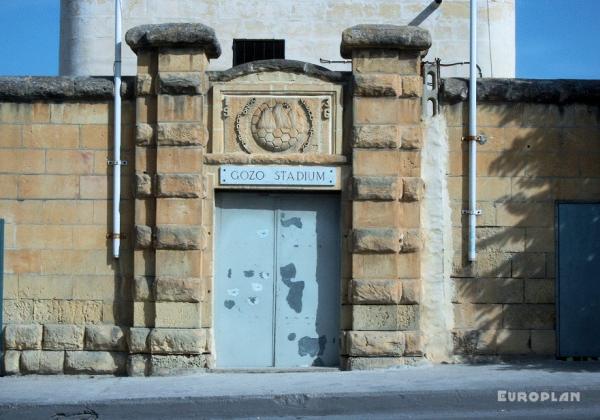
(311, 29)
(544, 144)
(63, 292)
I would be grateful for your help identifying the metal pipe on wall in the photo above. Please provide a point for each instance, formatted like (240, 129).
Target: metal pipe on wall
(116, 231)
(472, 138)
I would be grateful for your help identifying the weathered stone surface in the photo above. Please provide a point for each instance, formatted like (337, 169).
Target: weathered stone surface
(411, 292)
(371, 36)
(376, 240)
(179, 237)
(378, 291)
(177, 364)
(178, 289)
(376, 136)
(181, 134)
(412, 189)
(95, 362)
(11, 362)
(287, 66)
(143, 288)
(28, 89)
(384, 317)
(411, 137)
(375, 343)
(143, 236)
(523, 90)
(182, 186)
(178, 315)
(144, 84)
(177, 341)
(137, 340)
(179, 83)
(370, 363)
(143, 185)
(412, 86)
(63, 337)
(411, 240)
(191, 35)
(105, 337)
(274, 159)
(144, 134)
(376, 188)
(377, 85)
(23, 337)
(414, 344)
(42, 362)
(138, 365)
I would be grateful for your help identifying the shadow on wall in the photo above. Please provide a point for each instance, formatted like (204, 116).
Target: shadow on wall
(537, 154)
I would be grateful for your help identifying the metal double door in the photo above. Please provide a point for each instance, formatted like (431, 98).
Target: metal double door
(277, 277)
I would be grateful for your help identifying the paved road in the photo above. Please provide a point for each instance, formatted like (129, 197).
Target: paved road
(442, 391)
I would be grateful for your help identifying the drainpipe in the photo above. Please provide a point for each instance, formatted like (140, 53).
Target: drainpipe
(116, 235)
(472, 137)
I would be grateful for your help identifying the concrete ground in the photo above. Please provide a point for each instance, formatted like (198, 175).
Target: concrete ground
(431, 391)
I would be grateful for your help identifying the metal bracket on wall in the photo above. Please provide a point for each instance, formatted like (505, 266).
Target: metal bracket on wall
(476, 212)
(116, 162)
(431, 88)
(116, 236)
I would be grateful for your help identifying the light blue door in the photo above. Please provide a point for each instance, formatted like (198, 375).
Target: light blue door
(277, 280)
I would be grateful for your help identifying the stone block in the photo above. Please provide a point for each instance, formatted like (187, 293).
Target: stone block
(105, 337)
(179, 237)
(63, 337)
(376, 240)
(144, 85)
(179, 83)
(376, 214)
(137, 340)
(144, 134)
(539, 290)
(179, 185)
(178, 315)
(375, 343)
(179, 211)
(525, 316)
(181, 59)
(385, 61)
(529, 265)
(178, 289)
(377, 85)
(179, 108)
(376, 188)
(143, 185)
(178, 263)
(375, 291)
(543, 342)
(95, 362)
(413, 343)
(412, 189)
(371, 363)
(23, 337)
(488, 290)
(411, 291)
(177, 341)
(411, 241)
(138, 365)
(162, 365)
(376, 136)
(142, 236)
(384, 317)
(42, 362)
(411, 137)
(180, 160)
(377, 162)
(181, 134)
(513, 341)
(478, 316)
(412, 86)
(11, 362)
(143, 288)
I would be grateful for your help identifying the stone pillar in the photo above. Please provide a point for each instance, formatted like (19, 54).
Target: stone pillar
(169, 286)
(384, 292)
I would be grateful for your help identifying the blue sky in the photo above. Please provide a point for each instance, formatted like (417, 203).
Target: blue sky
(555, 38)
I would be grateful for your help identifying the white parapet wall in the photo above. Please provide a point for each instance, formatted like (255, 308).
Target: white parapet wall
(311, 29)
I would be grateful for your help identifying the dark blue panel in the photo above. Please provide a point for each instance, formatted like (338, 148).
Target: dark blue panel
(578, 279)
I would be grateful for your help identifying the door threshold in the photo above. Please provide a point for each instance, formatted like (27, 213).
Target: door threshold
(275, 370)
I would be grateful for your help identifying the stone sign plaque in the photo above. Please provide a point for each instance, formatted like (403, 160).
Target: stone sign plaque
(277, 175)
(303, 119)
